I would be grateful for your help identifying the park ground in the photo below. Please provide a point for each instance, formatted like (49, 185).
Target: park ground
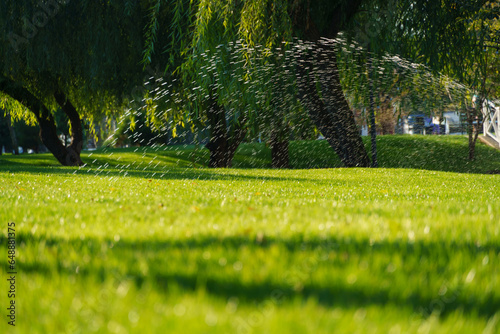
(148, 240)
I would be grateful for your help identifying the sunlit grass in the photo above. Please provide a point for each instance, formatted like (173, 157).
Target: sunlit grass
(439, 153)
(183, 249)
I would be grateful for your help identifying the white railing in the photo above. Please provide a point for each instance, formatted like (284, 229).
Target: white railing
(491, 121)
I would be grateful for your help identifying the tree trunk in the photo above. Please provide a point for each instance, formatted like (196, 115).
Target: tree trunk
(12, 133)
(330, 112)
(473, 131)
(223, 143)
(373, 128)
(235, 138)
(472, 146)
(75, 148)
(218, 136)
(279, 152)
(48, 133)
(470, 134)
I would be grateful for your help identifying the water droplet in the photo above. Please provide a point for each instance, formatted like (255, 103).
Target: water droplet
(179, 310)
(133, 317)
(238, 266)
(470, 276)
(211, 319)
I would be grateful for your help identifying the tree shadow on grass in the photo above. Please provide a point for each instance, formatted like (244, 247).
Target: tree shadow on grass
(176, 173)
(106, 167)
(330, 293)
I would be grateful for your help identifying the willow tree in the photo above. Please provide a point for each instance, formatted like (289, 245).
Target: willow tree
(459, 38)
(80, 57)
(241, 64)
(422, 28)
(452, 44)
(327, 105)
(268, 24)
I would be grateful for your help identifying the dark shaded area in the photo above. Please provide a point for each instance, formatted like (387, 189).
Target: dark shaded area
(5, 140)
(279, 145)
(334, 293)
(173, 173)
(224, 138)
(28, 137)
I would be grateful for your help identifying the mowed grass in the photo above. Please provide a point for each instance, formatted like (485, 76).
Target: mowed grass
(152, 242)
(438, 153)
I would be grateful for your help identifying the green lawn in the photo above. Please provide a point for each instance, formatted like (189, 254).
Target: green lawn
(152, 242)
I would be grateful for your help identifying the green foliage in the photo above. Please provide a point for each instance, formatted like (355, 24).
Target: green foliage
(95, 68)
(234, 53)
(232, 47)
(409, 86)
(134, 130)
(16, 110)
(449, 36)
(428, 56)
